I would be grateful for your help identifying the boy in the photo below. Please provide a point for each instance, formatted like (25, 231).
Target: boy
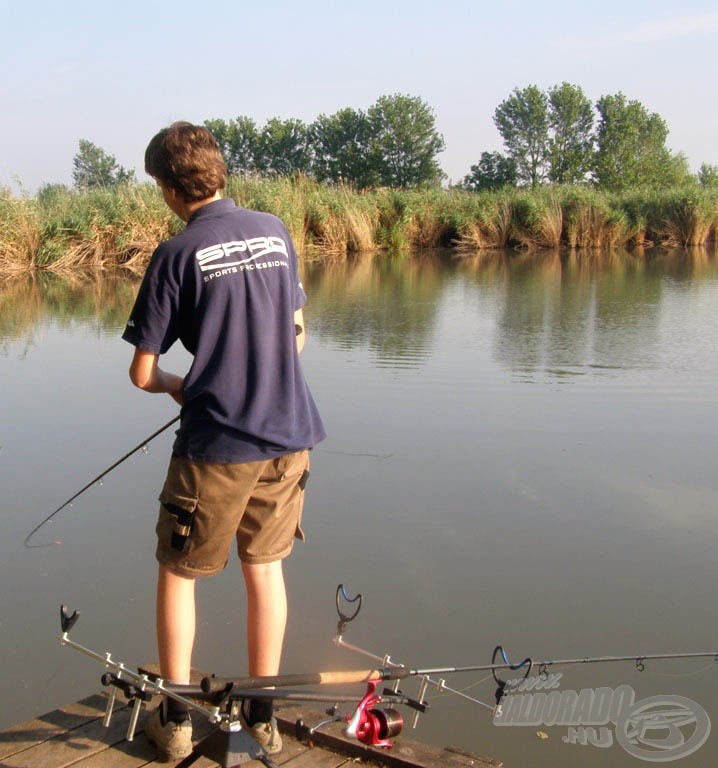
(228, 288)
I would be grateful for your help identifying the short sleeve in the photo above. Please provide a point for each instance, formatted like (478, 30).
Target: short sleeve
(153, 324)
(299, 297)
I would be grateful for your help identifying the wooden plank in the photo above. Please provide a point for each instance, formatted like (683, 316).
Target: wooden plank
(25, 735)
(291, 748)
(293, 755)
(315, 758)
(404, 753)
(73, 745)
(74, 736)
(139, 753)
(135, 753)
(124, 754)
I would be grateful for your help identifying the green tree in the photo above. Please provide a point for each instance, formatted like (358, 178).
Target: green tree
(342, 148)
(92, 167)
(283, 147)
(569, 150)
(404, 142)
(493, 171)
(523, 122)
(708, 176)
(239, 141)
(631, 147)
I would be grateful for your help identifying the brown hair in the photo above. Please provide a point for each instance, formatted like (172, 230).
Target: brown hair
(186, 158)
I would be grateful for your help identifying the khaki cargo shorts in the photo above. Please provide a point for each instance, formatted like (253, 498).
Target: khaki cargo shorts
(206, 505)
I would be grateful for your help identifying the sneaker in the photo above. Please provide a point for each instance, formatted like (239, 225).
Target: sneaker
(171, 740)
(266, 734)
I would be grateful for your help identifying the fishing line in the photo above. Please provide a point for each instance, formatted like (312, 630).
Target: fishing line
(94, 480)
(377, 456)
(675, 675)
(466, 688)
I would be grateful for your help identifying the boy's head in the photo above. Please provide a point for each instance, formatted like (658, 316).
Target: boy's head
(186, 158)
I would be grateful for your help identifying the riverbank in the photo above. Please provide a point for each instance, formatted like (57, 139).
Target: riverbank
(62, 229)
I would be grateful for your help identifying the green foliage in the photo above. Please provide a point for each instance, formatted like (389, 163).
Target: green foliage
(239, 141)
(283, 148)
(547, 135)
(404, 142)
(708, 176)
(394, 144)
(569, 151)
(48, 193)
(523, 122)
(550, 136)
(493, 171)
(631, 147)
(342, 148)
(279, 148)
(92, 167)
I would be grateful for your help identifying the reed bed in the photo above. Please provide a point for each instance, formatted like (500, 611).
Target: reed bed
(64, 230)
(486, 222)
(593, 221)
(60, 229)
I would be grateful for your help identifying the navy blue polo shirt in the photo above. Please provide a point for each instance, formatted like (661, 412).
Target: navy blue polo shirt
(227, 287)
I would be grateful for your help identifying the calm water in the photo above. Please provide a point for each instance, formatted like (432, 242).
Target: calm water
(522, 451)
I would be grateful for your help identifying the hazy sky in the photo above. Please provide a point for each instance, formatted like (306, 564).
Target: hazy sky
(115, 73)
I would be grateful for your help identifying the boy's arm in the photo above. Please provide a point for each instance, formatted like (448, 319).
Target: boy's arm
(149, 377)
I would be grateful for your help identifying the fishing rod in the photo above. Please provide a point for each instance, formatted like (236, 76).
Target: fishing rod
(369, 723)
(92, 482)
(396, 671)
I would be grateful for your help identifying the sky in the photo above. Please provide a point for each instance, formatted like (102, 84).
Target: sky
(115, 73)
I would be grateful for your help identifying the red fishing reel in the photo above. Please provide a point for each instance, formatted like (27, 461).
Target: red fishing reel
(374, 725)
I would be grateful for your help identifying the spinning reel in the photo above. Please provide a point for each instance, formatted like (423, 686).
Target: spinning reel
(374, 725)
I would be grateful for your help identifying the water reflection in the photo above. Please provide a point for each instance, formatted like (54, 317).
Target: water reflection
(102, 302)
(559, 313)
(521, 451)
(563, 314)
(566, 315)
(387, 305)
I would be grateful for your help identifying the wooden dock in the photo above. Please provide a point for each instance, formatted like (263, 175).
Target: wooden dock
(75, 736)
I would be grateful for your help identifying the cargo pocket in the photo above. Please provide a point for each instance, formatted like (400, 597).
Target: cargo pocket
(175, 525)
(302, 484)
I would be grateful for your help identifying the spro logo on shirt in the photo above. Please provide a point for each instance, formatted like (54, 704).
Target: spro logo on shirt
(222, 259)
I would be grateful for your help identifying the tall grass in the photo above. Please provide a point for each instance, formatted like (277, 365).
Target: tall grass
(20, 232)
(591, 220)
(64, 230)
(60, 229)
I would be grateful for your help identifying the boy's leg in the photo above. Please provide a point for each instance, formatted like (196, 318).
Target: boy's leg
(266, 615)
(266, 622)
(175, 624)
(168, 727)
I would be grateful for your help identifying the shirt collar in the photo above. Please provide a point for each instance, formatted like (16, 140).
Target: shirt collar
(214, 208)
